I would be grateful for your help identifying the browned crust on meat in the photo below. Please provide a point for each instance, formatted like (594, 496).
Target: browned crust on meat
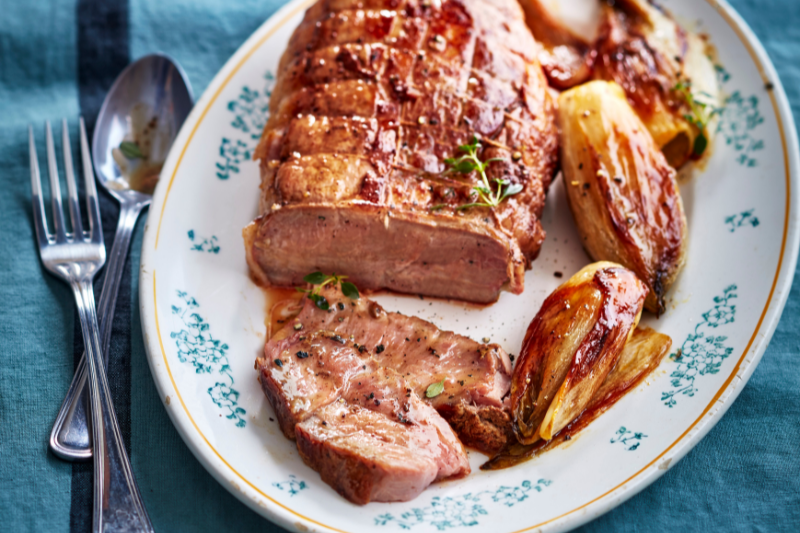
(486, 428)
(477, 375)
(347, 473)
(370, 98)
(285, 419)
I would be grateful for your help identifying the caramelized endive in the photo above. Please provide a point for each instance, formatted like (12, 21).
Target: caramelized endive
(641, 355)
(571, 346)
(641, 47)
(621, 190)
(567, 31)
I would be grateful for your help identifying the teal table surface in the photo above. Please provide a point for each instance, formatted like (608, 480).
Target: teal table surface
(57, 59)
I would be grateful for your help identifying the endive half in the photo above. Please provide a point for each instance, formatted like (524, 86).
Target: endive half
(622, 192)
(641, 356)
(639, 45)
(571, 346)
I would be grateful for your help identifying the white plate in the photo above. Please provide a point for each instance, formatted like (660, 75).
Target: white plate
(203, 318)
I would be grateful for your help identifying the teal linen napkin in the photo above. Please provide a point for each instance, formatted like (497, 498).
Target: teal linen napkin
(57, 58)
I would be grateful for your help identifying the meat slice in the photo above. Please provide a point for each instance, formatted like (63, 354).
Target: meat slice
(349, 385)
(322, 351)
(371, 97)
(360, 425)
(378, 442)
(304, 373)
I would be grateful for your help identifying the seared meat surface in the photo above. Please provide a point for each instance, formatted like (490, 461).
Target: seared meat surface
(379, 442)
(370, 98)
(364, 372)
(321, 352)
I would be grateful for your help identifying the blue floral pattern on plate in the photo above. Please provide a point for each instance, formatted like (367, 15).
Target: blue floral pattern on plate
(292, 485)
(250, 113)
(462, 511)
(742, 219)
(197, 347)
(702, 353)
(628, 438)
(202, 244)
(739, 118)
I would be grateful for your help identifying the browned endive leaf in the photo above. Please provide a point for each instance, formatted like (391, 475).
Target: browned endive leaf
(641, 47)
(570, 347)
(647, 52)
(641, 355)
(621, 190)
(567, 37)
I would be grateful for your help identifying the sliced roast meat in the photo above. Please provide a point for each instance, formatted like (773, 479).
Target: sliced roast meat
(355, 336)
(360, 425)
(380, 442)
(417, 349)
(349, 385)
(370, 99)
(303, 373)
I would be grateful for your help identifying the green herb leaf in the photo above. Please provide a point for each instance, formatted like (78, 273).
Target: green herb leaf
(473, 204)
(315, 278)
(130, 150)
(350, 290)
(700, 144)
(435, 389)
(700, 114)
(466, 147)
(320, 280)
(472, 146)
(465, 166)
(487, 196)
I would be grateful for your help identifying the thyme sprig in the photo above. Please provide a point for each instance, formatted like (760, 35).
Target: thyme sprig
(320, 280)
(130, 150)
(470, 162)
(700, 114)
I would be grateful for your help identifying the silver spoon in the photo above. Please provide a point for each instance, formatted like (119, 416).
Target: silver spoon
(153, 86)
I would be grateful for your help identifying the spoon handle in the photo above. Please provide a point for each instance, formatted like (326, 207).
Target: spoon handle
(71, 436)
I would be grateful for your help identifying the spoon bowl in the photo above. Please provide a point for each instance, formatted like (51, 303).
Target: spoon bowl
(154, 83)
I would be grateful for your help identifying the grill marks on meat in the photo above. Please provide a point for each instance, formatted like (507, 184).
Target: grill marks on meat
(370, 98)
(349, 386)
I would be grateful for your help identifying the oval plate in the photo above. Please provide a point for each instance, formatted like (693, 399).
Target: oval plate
(203, 318)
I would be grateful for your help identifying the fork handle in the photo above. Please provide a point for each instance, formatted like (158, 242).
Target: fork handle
(118, 505)
(70, 438)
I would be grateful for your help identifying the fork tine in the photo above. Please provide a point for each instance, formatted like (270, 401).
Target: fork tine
(55, 187)
(39, 218)
(72, 189)
(92, 204)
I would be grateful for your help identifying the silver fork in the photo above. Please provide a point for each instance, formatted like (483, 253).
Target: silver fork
(76, 257)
